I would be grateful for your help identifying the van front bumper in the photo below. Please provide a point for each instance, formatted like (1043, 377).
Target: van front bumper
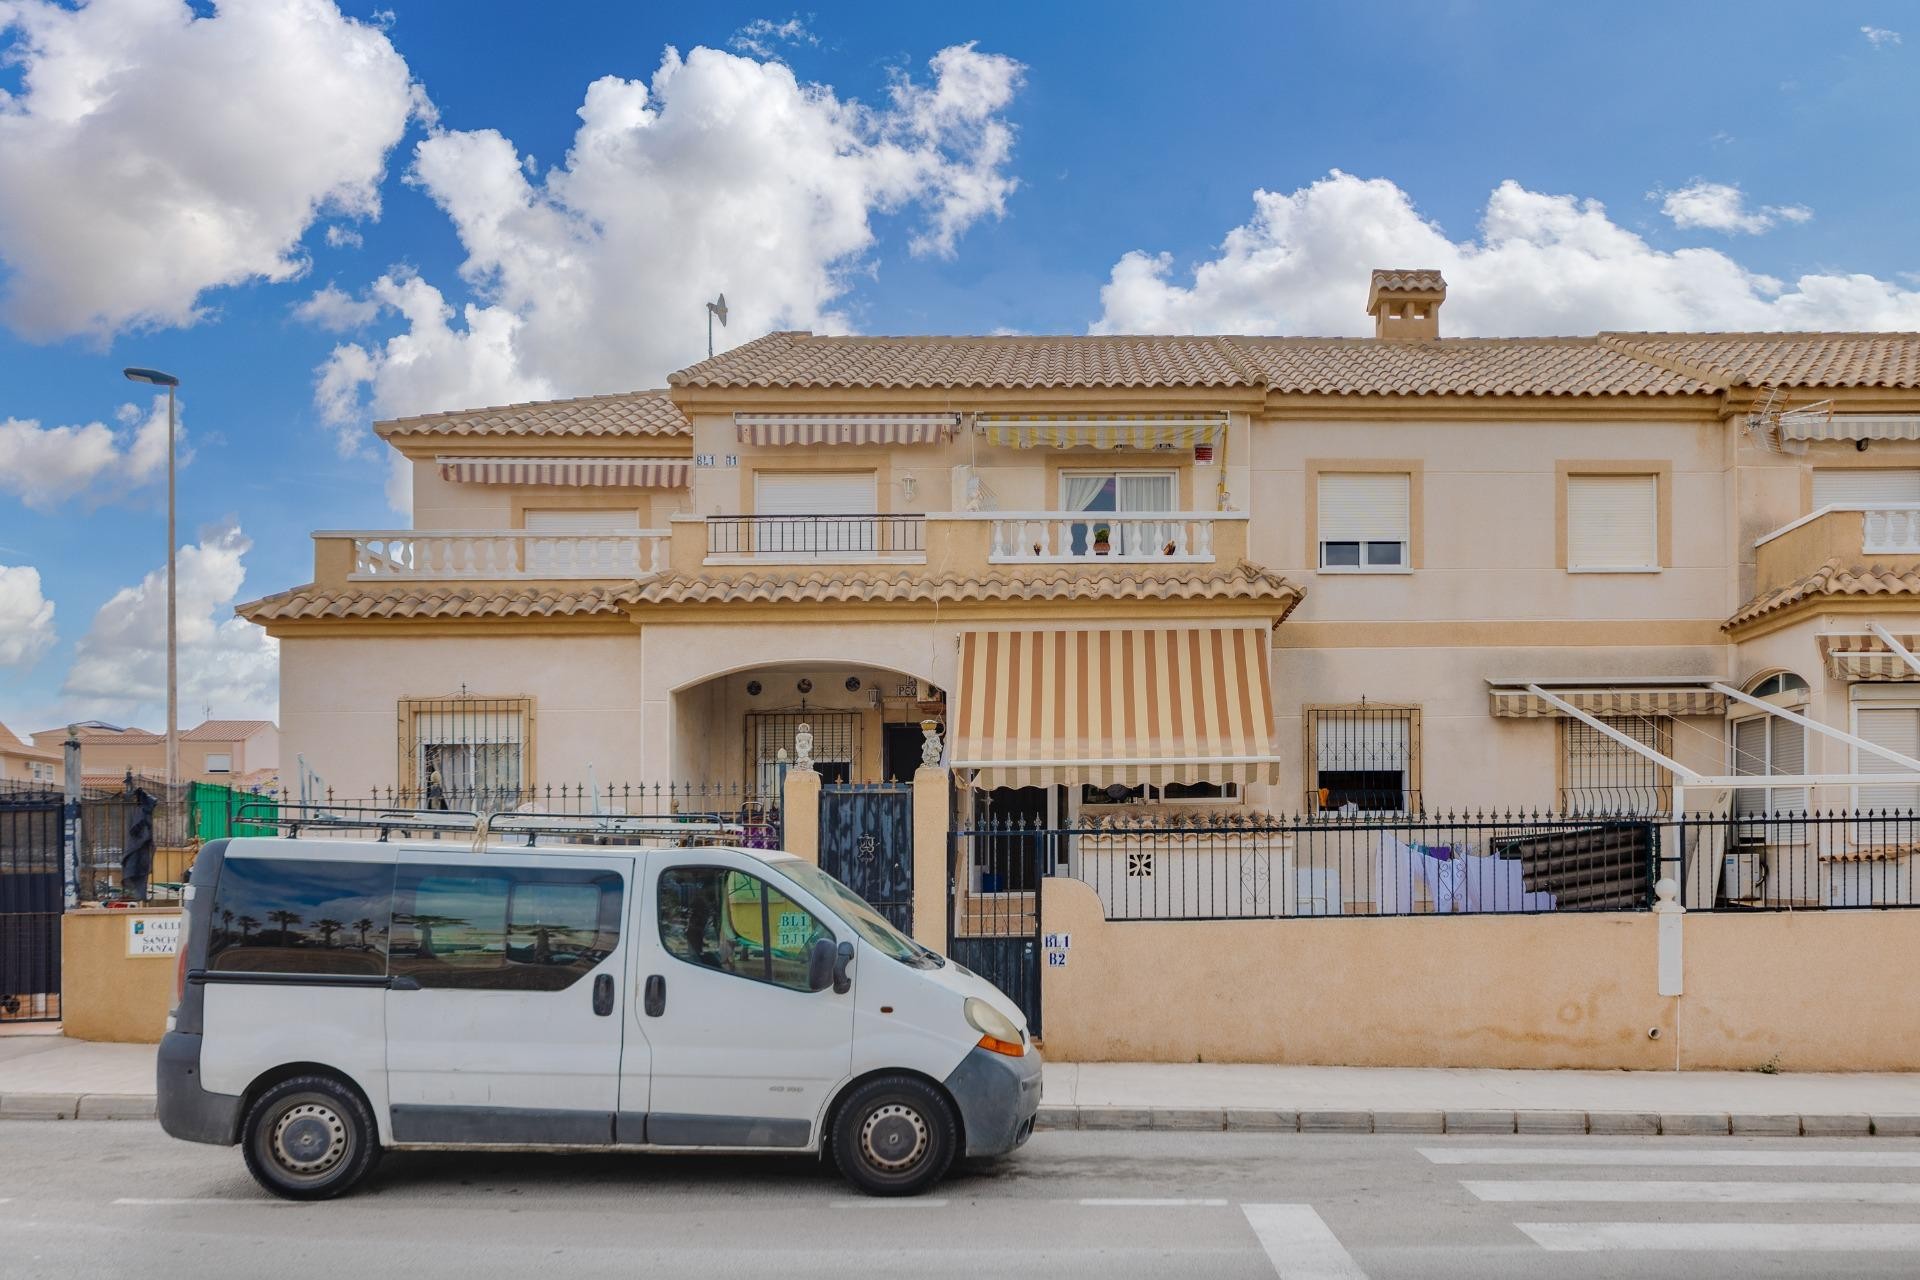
(186, 1110)
(998, 1097)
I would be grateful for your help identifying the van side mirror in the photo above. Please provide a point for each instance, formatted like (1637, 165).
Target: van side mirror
(821, 961)
(842, 962)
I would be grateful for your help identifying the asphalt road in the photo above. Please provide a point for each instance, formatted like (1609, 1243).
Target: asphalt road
(84, 1199)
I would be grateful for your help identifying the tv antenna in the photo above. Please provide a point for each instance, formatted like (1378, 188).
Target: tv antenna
(715, 310)
(1784, 427)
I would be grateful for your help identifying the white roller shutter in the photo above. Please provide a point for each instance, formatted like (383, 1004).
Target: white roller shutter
(1897, 729)
(810, 493)
(1365, 506)
(1613, 522)
(558, 556)
(1841, 487)
(583, 521)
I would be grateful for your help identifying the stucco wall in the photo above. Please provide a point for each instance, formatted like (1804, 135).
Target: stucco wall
(1461, 991)
(105, 994)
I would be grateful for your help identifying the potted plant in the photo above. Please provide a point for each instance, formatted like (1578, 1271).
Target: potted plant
(1102, 535)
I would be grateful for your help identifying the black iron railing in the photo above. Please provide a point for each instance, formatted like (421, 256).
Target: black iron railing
(825, 536)
(1797, 862)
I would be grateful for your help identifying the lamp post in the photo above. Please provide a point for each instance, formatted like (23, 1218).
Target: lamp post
(171, 383)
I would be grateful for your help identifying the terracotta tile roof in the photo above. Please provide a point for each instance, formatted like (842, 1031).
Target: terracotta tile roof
(1460, 366)
(804, 360)
(312, 603)
(224, 730)
(1833, 578)
(1418, 279)
(1782, 359)
(1241, 582)
(632, 413)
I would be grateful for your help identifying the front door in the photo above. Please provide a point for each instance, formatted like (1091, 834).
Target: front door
(743, 1053)
(503, 1021)
(866, 843)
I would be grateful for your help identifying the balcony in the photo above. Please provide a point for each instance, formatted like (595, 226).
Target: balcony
(407, 555)
(1079, 537)
(1868, 536)
(816, 539)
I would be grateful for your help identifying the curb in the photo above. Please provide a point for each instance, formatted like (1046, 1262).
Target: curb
(1482, 1123)
(76, 1106)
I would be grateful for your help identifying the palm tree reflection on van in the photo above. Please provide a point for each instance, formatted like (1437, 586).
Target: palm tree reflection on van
(361, 926)
(327, 927)
(286, 920)
(247, 925)
(424, 925)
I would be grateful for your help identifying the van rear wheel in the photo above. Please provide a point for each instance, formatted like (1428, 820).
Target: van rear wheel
(894, 1136)
(309, 1138)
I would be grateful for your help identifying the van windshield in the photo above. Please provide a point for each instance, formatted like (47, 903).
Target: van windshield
(860, 917)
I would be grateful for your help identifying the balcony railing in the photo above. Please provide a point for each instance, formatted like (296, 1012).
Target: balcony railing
(785, 539)
(412, 556)
(1062, 537)
(1891, 531)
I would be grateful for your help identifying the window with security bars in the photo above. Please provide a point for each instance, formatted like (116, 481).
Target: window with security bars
(1363, 760)
(466, 753)
(836, 745)
(1601, 775)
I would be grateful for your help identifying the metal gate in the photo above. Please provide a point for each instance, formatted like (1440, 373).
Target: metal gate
(997, 873)
(32, 894)
(866, 843)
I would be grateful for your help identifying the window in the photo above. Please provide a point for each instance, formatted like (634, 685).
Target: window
(506, 929)
(466, 753)
(1613, 523)
(737, 923)
(1896, 728)
(1600, 775)
(836, 745)
(219, 762)
(1768, 745)
(562, 554)
(1857, 487)
(1120, 493)
(1363, 759)
(1365, 521)
(803, 500)
(274, 915)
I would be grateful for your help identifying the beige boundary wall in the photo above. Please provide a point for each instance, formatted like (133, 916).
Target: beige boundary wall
(1805, 991)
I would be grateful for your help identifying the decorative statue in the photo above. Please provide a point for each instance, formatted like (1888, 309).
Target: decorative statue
(930, 748)
(803, 748)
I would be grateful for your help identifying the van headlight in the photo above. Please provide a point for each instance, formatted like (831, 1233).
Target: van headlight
(997, 1032)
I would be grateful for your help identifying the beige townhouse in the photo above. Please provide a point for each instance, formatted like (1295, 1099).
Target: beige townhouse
(1328, 577)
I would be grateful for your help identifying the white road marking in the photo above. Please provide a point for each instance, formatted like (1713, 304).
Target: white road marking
(903, 1202)
(1299, 1244)
(132, 1200)
(1571, 1191)
(1727, 1237)
(1863, 1158)
(1117, 1203)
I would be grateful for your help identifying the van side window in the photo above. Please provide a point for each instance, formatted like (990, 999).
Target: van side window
(736, 923)
(505, 929)
(275, 915)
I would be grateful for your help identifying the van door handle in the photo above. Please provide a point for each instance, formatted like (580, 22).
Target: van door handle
(603, 994)
(656, 995)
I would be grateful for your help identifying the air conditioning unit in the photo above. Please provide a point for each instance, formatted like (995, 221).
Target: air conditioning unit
(1744, 868)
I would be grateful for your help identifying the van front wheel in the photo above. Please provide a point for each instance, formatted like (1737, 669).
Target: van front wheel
(309, 1138)
(895, 1136)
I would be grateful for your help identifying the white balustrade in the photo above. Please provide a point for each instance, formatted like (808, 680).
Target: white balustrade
(1892, 531)
(1060, 537)
(412, 556)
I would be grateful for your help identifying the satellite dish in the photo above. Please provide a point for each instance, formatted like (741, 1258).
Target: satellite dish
(719, 309)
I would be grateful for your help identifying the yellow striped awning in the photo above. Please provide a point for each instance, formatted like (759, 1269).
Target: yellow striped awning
(1144, 705)
(1867, 657)
(1624, 701)
(766, 429)
(1101, 431)
(621, 473)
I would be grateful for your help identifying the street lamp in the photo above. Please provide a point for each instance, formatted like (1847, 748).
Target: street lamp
(167, 380)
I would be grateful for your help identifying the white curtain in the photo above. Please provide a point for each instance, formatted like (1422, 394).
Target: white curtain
(1145, 493)
(1079, 493)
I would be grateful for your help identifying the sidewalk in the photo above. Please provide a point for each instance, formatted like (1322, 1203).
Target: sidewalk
(49, 1077)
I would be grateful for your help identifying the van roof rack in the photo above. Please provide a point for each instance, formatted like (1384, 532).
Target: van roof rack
(667, 830)
(291, 819)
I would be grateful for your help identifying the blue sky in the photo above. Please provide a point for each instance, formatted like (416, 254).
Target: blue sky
(177, 184)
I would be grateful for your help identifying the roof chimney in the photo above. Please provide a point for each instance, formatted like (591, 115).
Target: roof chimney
(1405, 304)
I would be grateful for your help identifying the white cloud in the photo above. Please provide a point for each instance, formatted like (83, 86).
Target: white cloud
(339, 237)
(26, 617)
(400, 484)
(46, 466)
(763, 36)
(336, 311)
(1539, 264)
(153, 155)
(722, 174)
(119, 668)
(1722, 206)
(1880, 37)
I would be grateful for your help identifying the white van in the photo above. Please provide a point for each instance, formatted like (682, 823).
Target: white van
(341, 997)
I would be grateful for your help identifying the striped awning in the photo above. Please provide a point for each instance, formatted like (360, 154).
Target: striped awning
(1622, 700)
(1865, 657)
(1805, 425)
(1101, 431)
(618, 473)
(845, 428)
(1142, 705)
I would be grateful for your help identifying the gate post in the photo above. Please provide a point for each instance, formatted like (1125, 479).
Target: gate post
(70, 831)
(932, 804)
(801, 811)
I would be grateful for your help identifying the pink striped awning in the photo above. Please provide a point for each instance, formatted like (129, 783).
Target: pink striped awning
(617, 473)
(845, 428)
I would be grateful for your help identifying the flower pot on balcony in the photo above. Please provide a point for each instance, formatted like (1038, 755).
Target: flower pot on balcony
(1101, 540)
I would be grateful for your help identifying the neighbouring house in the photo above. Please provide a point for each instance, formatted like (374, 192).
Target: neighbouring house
(1335, 578)
(241, 753)
(30, 763)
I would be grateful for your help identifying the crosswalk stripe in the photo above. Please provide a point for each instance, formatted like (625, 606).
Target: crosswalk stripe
(1863, 1158)
(1727, 1237)
(1574, 1191)
(1147, 1204)
(1299, 1244)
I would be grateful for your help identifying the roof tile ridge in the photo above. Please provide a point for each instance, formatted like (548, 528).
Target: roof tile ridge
(1242, 361)
(701, 372)
(1710, 378)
